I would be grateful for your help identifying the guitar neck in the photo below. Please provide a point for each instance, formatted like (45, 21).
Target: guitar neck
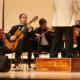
(33, 20)
(28, 24)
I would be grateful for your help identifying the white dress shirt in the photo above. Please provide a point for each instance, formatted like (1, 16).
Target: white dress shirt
(63, 13)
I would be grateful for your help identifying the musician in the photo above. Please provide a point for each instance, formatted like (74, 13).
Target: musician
(58, 35)
(23, 44)
(44, 35)
(37, 39)
(63, 12)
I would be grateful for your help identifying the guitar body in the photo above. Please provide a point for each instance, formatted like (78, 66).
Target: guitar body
(12, 45)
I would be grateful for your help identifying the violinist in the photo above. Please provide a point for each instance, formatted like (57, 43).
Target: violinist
(44, 34)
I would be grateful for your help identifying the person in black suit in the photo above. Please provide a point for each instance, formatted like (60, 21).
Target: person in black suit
(44, 35)
(24, 44)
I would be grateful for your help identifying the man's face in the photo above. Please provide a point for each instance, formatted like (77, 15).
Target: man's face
(23, 19)
(44, 25)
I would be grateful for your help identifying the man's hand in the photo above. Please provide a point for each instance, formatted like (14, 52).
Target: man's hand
(12, 38)
(38, 35)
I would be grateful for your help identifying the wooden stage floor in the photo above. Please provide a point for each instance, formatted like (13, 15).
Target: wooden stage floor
(33, 75)
(39, 76)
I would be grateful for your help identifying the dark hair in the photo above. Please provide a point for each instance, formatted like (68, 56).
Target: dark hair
(42, 20)
(21, 15)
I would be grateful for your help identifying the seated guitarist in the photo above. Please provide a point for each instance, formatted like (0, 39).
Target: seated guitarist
(22, 45)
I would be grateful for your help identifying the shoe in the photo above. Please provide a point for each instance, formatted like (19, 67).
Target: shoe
(34, 68)
(30, 69)
(29, 65)
(19, 68)
(15, 65)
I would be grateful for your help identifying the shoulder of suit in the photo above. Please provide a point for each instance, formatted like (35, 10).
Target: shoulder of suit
(17, 26)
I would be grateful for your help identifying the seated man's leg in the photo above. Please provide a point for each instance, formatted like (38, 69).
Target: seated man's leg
(29, 59)
(18, 53)
(17, 58)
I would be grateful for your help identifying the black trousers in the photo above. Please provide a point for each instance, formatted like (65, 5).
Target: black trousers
(22, 47)
(68, 34)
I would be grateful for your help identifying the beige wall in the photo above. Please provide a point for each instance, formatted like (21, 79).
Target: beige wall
(1, 5)
(41, 8)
